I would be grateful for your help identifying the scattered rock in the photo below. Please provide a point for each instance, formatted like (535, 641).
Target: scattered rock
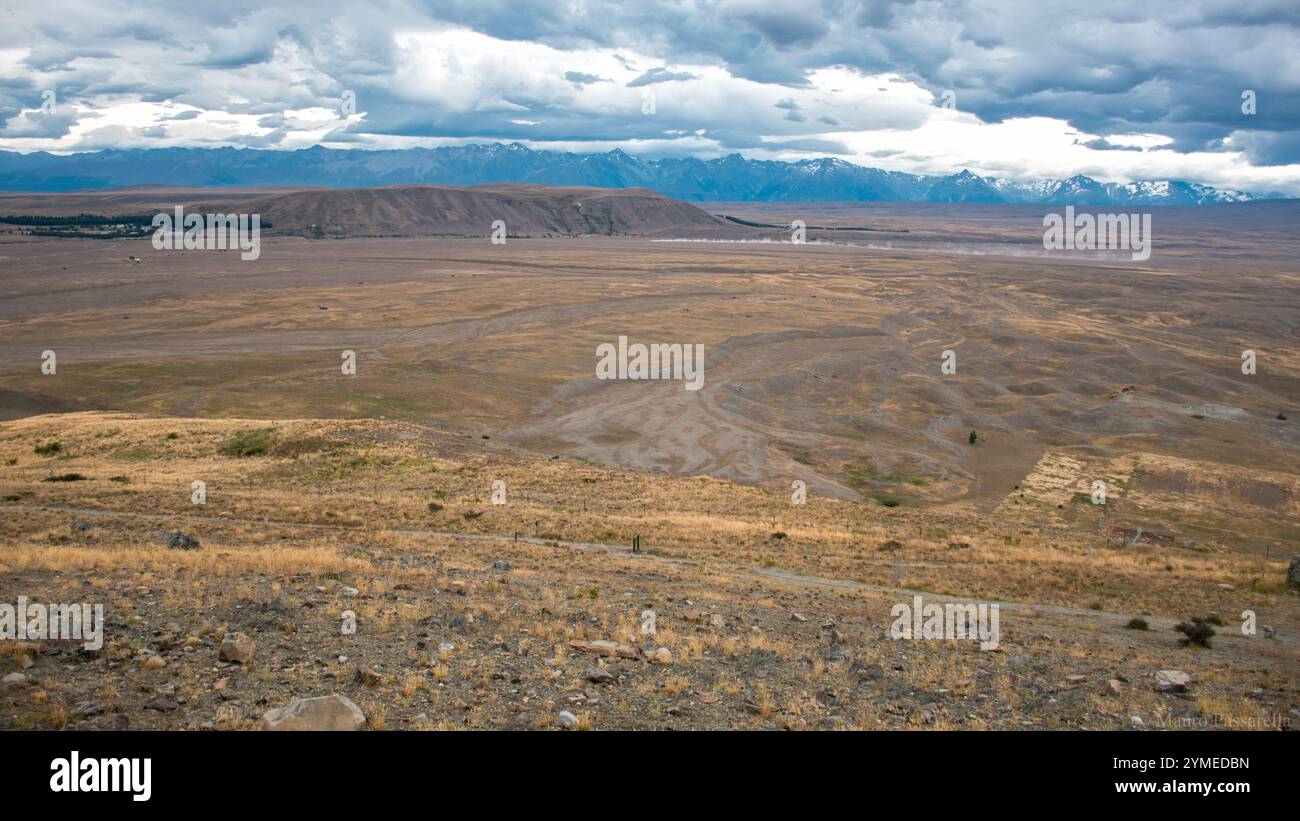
(567, 720)
(601, 675)
(349, 592)
(1172, 681)
(26, 662)
(1136, 721)
(367, 677)
(14, 680)
(501, 564)
(798, 617)
(332, 712)
(81, 526)
(236, 648)
(176, 540)
(607, 648)
(867, 671)
(663, 656)
(717, 621)
(161, 705)
(1112, 687)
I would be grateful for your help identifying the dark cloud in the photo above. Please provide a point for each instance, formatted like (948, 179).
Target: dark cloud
(1175, 68)
(659, 75)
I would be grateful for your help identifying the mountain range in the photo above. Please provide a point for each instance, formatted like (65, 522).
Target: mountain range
(729, 178)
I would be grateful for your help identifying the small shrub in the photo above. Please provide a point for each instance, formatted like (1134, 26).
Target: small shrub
(778, 535)
(472, 514)
(434, 507)
(973, 437)
(49, 448)
(1198, 632)
(244, 443)
(1137, 624)
(886, 500)
(65, 477)
(892, 544)
(172, 435)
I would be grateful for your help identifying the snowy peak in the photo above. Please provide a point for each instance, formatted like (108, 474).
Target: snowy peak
(732, 177)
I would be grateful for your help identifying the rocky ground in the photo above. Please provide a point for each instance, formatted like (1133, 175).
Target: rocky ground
(227, 624)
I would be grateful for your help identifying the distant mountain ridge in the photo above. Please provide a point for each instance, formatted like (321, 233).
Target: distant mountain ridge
(729, 178)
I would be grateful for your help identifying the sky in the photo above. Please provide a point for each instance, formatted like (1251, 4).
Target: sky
(1202, 90)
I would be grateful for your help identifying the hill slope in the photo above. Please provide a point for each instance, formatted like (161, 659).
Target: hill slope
(445, 210)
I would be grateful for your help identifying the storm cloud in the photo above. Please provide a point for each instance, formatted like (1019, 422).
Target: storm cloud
(1204, 90)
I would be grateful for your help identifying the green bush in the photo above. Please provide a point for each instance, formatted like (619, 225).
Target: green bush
(1137, 624)
(252, 442)
(1198, 632)
(48, 449)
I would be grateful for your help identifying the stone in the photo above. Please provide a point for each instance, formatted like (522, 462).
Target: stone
(567, 720)
(155, 663)
(332, 712)
(606, 648)
(1112, 687)
(501, 564)
(717, 621)
(236, 648)
(367, 677)
(601, 675)
(349, 592)
(1172, 681)
(663, 656)
(14, 680)
(798, 617)
(176, 540)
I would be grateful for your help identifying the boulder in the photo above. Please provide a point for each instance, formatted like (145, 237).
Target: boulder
(236, 648)
(332, 712)
(606, 648)
(1172, 681)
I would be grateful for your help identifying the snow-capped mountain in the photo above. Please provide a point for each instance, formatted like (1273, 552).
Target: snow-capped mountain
(724, 178)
